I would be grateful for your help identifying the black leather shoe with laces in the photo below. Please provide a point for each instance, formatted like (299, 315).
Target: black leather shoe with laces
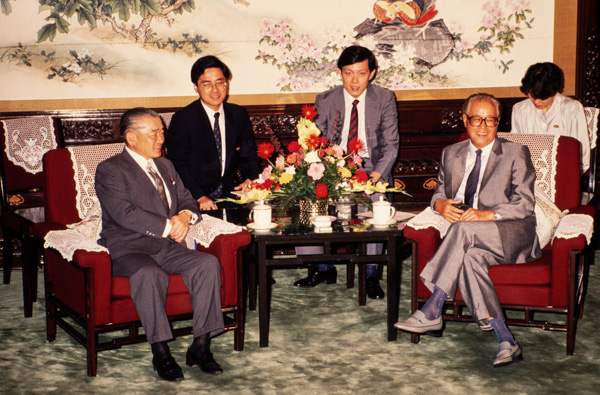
(167, 369)
(374, 290)
(318, 277)
(204, 360)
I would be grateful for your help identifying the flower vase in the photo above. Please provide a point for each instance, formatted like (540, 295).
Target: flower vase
(310, 208)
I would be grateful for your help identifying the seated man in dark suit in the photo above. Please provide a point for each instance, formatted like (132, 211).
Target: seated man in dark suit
(146, 212)
(486, 191)
(210, 139)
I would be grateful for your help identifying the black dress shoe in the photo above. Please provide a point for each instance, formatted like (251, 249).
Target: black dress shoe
(374, 290)
(318, 277)
(167, 369)
(205, 360)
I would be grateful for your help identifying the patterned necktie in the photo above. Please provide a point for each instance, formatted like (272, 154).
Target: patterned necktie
(473, 180)
(217, 132)
(160, 188)
(353, 133)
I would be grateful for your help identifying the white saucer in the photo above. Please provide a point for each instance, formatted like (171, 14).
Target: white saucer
(378, 225)
(331, 217)
(252, 226)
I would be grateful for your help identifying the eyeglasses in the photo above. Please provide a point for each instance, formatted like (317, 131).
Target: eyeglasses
(475, 120)
(208, 85)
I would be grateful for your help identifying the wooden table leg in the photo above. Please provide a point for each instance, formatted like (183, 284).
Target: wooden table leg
(263, 295)
(393, 288)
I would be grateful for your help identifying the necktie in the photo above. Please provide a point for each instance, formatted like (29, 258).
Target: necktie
(473, 180)
(353, 132)
(160, 188)
(217, 132)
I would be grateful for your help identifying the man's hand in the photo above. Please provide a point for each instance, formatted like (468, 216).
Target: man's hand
(453, 214)
(374, 176)
(180, 225)
(244, 186)
(206, 203)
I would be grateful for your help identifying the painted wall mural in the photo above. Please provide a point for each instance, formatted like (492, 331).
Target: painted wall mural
(134, 48)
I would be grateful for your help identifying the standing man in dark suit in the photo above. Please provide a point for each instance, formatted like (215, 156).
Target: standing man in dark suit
(146, 212)
(209, 139)
(358, 110)
(495, 179)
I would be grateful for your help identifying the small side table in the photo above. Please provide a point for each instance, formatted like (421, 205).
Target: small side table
(30, 248)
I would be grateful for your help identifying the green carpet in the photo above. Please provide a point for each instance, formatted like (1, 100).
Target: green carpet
(321, 341)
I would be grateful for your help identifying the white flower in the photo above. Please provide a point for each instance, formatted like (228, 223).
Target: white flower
(368, 42)
(312, 157)
(290, 170)
(84, 53)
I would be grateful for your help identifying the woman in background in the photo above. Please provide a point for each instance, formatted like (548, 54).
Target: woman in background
(547, 111)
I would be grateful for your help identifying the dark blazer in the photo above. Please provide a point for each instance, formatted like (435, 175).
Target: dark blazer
(133, 217)
(381, 123)
(507, 188)
(192, 148)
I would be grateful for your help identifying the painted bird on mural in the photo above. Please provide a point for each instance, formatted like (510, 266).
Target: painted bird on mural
(412, 13)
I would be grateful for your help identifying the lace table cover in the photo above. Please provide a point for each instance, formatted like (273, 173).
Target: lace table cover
(26, 140)
(430, 219)
(85, 160)
(591, 116)
(573, 225)
(66, 242)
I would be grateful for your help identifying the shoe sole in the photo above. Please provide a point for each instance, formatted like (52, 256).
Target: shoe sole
(515, 358)
(327, 282)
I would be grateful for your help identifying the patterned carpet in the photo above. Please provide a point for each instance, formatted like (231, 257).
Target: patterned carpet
(321, 341)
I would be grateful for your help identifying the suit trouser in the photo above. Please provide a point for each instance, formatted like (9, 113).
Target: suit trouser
(463, 261)
(149, 280)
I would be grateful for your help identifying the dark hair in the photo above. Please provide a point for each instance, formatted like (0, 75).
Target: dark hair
(482, 97)
(207, 62)
(543, 80)
(356, 54)
(130, 118)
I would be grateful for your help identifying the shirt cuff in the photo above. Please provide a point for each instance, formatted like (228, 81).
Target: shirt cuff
(498, 217)
(168, 227)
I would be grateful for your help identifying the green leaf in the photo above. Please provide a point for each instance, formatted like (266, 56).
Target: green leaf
(62, 25)
(70, 9)
(5, 6)
(149, 7)
(121, 7)
(47, 32)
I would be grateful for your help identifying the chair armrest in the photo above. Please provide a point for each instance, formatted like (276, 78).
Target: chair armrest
(225, 248)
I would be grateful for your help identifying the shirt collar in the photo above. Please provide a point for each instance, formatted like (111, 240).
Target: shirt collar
(485, 150)
(348, 99)
(139, 159)
(210, 112)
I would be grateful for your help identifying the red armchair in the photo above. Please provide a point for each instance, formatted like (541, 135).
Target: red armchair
(555, 283)
(84, 299)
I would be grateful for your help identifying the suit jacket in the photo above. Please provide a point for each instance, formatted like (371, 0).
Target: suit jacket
(192, 148)
(381, 124)
(507, 188)
(133, 217)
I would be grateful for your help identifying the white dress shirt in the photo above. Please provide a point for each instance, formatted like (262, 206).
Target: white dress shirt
(362, 132)
(565, 117)
(471, 157)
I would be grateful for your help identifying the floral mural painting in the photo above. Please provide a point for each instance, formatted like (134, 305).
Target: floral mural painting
(72, 49)
(408, 42)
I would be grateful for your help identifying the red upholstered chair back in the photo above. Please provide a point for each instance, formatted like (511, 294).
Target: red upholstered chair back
(561, 183)
(61, 198)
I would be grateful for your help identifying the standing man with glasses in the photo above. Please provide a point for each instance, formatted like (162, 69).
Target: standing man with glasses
(210, 139)
(486, 191)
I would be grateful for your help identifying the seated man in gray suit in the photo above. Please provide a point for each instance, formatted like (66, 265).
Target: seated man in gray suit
(358, 110)
(146, 212)
(486, 190)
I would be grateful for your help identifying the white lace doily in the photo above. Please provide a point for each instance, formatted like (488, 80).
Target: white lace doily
(26, 140)
(66, 242)
(205, 231)
(542, 148)
(430, 219)
(166, 118)
(573, 225)
(591, 117)
(85, 159)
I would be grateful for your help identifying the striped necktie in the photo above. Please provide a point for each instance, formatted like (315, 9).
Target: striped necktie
(353, 132)
(160, 187)
(473, 181)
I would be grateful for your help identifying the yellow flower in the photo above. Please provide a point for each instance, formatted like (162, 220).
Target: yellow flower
(381, 187)
(346, 173)
(254, 194)
(285, 178)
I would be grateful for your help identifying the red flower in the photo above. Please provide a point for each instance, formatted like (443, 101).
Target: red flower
(313, 141)
(324, 142)
(355, 145)
(291, 158)
(308, 112)
(321, 191)
(355, 222)
(294, 147)
(266, 185)
(361, 176)
(265, 150)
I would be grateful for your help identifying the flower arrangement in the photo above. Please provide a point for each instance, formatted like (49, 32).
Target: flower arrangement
(313, 169)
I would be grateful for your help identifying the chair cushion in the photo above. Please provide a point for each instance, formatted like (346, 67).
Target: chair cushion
(120, 286)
